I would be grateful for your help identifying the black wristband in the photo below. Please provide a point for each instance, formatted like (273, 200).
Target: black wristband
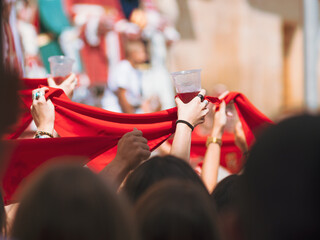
(185, 122)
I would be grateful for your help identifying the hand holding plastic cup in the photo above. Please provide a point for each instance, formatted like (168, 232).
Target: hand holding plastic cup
(60, 67)
(187, 84)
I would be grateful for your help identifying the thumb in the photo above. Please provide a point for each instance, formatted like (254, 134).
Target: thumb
(70, 79)
(137, 132)
(178, 101)
(222, 106)
(51, 82)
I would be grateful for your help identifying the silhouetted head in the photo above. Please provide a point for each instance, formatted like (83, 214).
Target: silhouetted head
(155, 170)
(280, 186)
(224, 194)
(176, 209)
(71, 202)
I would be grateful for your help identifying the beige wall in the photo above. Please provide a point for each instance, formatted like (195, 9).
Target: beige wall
(237, 45)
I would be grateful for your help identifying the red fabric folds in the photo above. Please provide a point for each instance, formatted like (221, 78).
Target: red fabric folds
(26, 155)
(94, 132)
(25, 118)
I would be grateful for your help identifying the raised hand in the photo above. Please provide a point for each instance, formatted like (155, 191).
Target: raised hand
(67, 85)
(42, 111)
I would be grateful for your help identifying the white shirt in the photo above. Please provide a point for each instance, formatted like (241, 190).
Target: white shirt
(127, 77)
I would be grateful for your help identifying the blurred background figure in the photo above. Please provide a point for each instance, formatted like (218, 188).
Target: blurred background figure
(124, 90)
(12, 48)
(28, 24)
(71, 202)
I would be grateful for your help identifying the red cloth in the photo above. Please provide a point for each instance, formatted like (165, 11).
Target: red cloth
(100, 131)
(25, 118)
(29, 154)
(230, 156)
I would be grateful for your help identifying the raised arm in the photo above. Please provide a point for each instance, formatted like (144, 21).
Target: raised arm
(43, 114)
(132, 150)
(189, 115)
(68, 85)
(209, 173)
(124, 104)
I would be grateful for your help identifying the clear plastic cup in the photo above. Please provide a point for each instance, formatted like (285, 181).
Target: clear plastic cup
(187, 84)
(60, 67)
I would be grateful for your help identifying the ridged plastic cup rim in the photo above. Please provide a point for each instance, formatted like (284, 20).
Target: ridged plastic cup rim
(51, 59)
(186, 72)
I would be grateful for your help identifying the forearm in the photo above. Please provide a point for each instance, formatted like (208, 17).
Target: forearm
(182, 142)
(211, 162)
(126, 107)
(116, 171)
(209, 173)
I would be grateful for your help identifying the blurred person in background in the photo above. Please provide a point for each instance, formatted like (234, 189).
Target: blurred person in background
(157, 20)
(101, 23)
(26, 19)
(71, 202)
(11, 45)
(124, 89)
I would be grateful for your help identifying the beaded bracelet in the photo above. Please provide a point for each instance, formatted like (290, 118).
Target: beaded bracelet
(42, 133)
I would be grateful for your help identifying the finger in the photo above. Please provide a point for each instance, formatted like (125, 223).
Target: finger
(200, 96)
(36, 93)
(136, 132)
(145, 154)
(143, 145)
(202, 92)
(204, 112)
(178, 101)
(51, 82)
(214, 107)
(222, 106)
(41, 96)
(238, 128)
(50, 102)
(223, 95)
(141, 139)
(44, 89)
(70, 79)
(206, 102)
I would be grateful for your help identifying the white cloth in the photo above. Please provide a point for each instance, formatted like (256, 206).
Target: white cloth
(127, 77)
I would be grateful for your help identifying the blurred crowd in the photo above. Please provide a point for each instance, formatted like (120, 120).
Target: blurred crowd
(99, 35)
(272, 193)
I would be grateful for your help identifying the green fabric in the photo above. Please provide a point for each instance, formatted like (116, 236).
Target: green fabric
(52, 16)
(49, 50)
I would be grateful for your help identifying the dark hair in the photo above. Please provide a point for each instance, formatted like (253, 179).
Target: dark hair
(3, 218)
(71, 202)
(176, 209)
(225, 193)
(280, 184)
(156, 169)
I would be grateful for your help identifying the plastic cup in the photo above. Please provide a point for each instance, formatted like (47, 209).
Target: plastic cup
(187, 84)
(60, 67)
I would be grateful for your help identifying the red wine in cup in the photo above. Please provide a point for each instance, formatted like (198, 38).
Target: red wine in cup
(188, 96)
(60, 79)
